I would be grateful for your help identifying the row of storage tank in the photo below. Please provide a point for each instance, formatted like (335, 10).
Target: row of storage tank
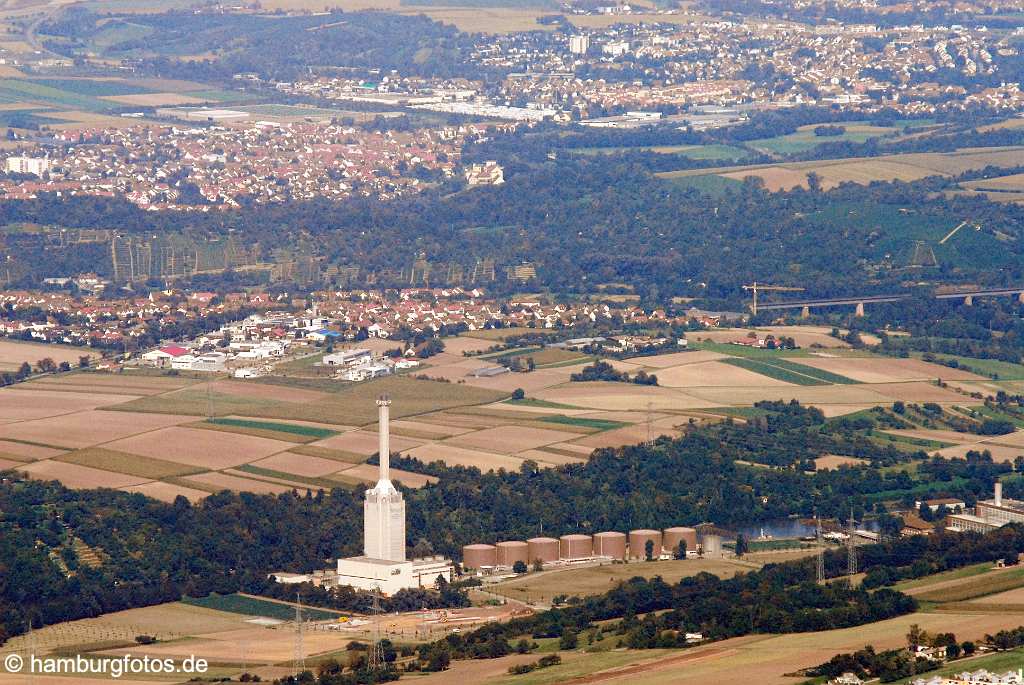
(573, 547)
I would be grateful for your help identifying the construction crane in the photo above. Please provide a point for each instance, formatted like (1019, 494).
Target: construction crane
(756, 287)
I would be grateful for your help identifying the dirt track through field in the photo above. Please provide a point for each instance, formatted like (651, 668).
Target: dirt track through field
(657, 665)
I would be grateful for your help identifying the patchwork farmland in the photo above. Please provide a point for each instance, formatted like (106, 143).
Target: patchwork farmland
(166, 436)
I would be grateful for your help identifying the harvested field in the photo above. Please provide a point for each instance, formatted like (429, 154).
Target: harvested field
(421, 429)
(20, 449)
(327, 453)
(775, 178)
(87, 428)
(630, 435)
(25, 405)
(593, 580)
(834, 461)
(458, 456)
(662, 361)
(619, 396)
(365, 442)
(129, 464)
(999, 453)
(224, 481)
(713, 374)
(299, 464)
(917, 391)
(530, 382)
(817, 395)
(9, 464)
(510, 438)
(833, 410)
(939, 435)
(154, 99)
(368, 473)
(208, 449)
(1015, 439)
(166, 492)
(13, 353)
(75, 476)
(133, 384)
(553, 458)
(261, 391)
(885, 370)
(1015, 596)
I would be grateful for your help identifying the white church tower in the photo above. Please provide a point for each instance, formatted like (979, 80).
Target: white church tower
(384, 508)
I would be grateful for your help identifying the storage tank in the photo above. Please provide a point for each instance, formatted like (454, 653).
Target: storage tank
(511, 551)
(712, 545)
(673, 536)
(479, 556)
(610, 544)
(545, 549)
(638, 543)
(575, 546)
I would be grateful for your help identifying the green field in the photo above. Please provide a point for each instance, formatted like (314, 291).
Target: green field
(600, 424)
(709, 184)
(770, 369)
(1004, 371)
(255, 606)
(976, 586)
(93, 87)
(804, 139)
(820, 374)
(716, 152)
(19, 90)
(955, 574)
(999, 662)
(743, 351)
(305, 431)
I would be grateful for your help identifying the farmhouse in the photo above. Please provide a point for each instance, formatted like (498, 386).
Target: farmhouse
(979, 677)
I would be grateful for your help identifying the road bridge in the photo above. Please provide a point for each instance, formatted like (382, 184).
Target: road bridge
(860, 301)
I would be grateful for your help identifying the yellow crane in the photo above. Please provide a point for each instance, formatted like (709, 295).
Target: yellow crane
(755, 287)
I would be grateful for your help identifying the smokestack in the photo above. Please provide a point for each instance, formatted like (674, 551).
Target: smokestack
(384, 446)
(999, 494)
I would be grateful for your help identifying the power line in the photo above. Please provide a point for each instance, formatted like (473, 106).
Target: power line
(376, 655)
(851, 549)
(821, 548)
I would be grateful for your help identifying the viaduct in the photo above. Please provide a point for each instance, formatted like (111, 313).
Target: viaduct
(859, 302)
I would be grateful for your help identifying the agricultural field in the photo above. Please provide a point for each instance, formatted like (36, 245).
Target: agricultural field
(805, 139)
(141, 431)
(540, 587)
(862, 170)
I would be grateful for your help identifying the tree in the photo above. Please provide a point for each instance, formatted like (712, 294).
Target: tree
(649, 550)
(538, 565)
(569, 640)
(518, 394)
(680, 551)
(83, 361)
(519, 567)
(741, 545)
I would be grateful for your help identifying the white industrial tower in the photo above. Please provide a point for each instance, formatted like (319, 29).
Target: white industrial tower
(384, 508)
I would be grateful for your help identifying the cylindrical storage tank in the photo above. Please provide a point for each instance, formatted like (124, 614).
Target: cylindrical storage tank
(575, 547)
(545, 549)
(712, 545)
(479, 556)
(512, 551)
(638, 543)
(610, 544)
(673, 536)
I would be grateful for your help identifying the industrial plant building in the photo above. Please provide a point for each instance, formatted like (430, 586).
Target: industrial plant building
(578, 548)
(383, 566)
(989, 514)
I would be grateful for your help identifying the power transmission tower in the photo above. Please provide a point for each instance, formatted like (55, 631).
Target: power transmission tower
(851, 549)
(821, 549)
(376, 655)
(300, 652)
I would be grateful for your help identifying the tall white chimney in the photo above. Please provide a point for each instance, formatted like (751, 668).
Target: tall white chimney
(384, 446)
(999, 494)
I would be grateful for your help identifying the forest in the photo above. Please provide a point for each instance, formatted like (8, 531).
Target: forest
(597, 220)
(156, 552)
(271, 46)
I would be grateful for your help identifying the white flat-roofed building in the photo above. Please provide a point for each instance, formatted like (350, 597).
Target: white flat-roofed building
(351, 357)
(989, 514)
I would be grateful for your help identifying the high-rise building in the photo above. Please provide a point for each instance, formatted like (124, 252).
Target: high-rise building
(579, 45)
(37, 166)
(383, 566)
